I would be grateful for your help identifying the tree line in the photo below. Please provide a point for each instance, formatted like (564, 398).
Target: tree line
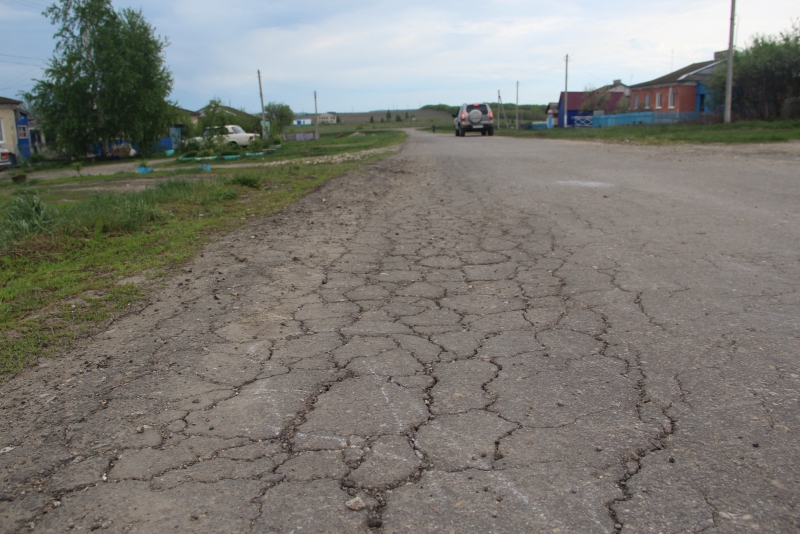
(766, 74)
(107, 82)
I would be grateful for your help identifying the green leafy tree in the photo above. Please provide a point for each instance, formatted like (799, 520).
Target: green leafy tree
(624, 104)
(279, 116)
(106, 81)
(595, 99)
(371, 119)
(388, 115)
(398, 118)
(406, 115)
(765, 74)
(214, 114)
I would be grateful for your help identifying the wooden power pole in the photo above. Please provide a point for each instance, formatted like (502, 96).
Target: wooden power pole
(729, 79)
(316, 118)
(263, 115)
(516, 119)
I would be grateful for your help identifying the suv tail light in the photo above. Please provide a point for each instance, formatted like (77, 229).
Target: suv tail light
(4, 155)
(491, 115)
(463, 116)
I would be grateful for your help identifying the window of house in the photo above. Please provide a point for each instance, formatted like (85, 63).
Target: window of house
(22, 132)
(647, 101)
(671, 98)
(658, 100)
(2, 132)
(636, 102)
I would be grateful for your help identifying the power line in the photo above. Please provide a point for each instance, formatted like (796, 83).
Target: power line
(23, 57)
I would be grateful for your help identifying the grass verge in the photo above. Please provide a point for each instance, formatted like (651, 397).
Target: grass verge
(63, 266)
(329, 144)
(735, 133)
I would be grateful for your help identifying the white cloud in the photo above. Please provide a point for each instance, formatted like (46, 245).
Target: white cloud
(369, 54)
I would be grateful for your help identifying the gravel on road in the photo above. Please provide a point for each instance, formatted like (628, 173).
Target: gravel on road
(474, 335)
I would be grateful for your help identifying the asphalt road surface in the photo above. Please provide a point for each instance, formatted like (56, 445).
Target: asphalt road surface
(474, 335)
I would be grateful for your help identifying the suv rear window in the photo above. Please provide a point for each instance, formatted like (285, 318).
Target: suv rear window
(483, 107)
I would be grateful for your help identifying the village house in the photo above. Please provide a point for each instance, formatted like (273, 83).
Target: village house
(575, 101)
(326, 118)
(14, 134)
(683, 91)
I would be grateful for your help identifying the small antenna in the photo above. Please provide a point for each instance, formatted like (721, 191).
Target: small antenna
(672, 62)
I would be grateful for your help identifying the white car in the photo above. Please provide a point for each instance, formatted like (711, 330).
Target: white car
(5, 159)
(230, 135)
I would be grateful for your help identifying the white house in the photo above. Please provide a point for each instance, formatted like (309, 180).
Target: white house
(304, 121)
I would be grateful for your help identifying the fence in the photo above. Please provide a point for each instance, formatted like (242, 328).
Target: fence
(643, 117)
(298, 137)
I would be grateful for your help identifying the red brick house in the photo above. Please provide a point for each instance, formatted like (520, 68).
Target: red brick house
(682, 91)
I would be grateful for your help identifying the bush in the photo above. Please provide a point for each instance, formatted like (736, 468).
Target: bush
(192, 145)
(207, 153)
(230, 152)
(37, 158)
(246, 180)
(190, 154)
(257, 145)
(26, 215)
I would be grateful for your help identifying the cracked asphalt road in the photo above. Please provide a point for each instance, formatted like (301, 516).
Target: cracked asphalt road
(473, 335)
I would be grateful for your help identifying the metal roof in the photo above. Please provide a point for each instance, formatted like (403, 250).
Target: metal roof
(682, 75)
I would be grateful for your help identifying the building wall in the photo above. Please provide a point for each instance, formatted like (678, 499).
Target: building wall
(685, 99)
(327, 118)
(9, 141)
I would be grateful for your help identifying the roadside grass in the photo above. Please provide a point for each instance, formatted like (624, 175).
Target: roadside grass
(329, 144)
(64, 265)
(734, 133)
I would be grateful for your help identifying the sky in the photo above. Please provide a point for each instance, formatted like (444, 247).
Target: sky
(365, 55)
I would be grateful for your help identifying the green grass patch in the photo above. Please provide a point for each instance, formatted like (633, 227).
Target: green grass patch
(338, 139)
(737, 132)
(63, 264)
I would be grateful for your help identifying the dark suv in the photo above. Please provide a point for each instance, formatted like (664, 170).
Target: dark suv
(474, 118)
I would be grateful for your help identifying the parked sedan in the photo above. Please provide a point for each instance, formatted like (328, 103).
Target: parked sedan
(230, 135)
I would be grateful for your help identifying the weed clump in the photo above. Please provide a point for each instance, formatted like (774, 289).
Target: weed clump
(246, 179)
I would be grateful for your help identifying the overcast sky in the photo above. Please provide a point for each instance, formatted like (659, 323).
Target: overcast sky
(367, 55)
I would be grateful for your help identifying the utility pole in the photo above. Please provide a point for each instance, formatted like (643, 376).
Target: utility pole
(501, 112)
(263, 115)
(516, 119)
(316, 118)
(566, 94)
(499, 118)
(729, 80)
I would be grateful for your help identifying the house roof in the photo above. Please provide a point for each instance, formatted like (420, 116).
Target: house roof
(576, 98)
(188, 111)
(685, 74)
(9, 101)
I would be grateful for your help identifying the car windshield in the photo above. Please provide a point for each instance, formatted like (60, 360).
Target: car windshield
(482, 107)
(237, 129)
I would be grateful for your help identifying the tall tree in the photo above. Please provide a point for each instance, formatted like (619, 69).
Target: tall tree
(765, 74)
(279, 116)
(107, 79)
